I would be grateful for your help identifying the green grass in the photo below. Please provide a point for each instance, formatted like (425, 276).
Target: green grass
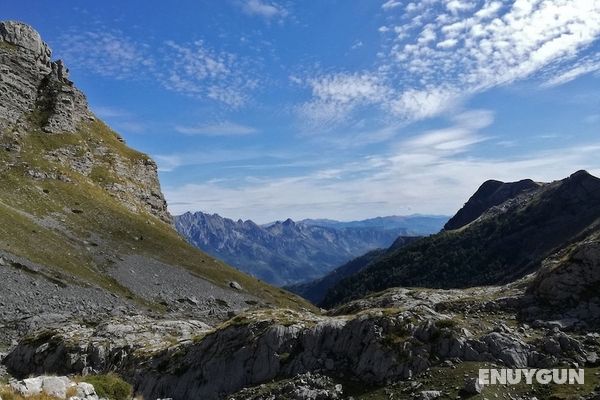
(7, 46)
(25, 202)
(110, 386)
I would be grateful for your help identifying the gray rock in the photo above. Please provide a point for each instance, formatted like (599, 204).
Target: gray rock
(430, 394)
(30, 78)
(473, 386)
(32, 84)
(56, 386)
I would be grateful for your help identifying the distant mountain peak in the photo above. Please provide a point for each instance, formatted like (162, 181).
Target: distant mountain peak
(289, 222)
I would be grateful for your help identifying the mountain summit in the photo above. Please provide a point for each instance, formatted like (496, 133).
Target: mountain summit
(491, 193)
(32, 82)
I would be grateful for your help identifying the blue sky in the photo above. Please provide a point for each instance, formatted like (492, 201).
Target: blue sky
(340, 109)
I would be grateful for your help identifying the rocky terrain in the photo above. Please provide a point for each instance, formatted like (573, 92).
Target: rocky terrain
(289, 252)
(101, 298)
(390, 342)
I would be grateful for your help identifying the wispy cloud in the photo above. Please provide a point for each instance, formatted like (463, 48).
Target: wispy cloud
(584, 66)
(110, 112)
(105, 53)
(265, 9)
(196, 70)
(171, 161)
(193, 69)
(335, 96)
(226, 128)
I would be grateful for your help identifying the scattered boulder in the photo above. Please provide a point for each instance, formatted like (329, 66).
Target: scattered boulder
(60, 387)
(473, 386)
(235, 285)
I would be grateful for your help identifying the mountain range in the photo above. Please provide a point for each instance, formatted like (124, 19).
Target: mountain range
(288, 252)
(100, 297)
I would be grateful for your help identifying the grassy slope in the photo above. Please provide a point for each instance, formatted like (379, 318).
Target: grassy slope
(24, 202)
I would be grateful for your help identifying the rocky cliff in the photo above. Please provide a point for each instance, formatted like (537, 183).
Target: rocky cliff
(396, 336)
(32, 83)
(36, 94)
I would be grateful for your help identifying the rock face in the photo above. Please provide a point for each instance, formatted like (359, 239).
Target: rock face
(30, 81)
(36, 94)
(491, 193)
(568, 283)
(285, 252)
(84, 229)
(302, 387)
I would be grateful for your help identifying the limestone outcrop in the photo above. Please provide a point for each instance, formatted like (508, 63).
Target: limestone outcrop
(32, 85)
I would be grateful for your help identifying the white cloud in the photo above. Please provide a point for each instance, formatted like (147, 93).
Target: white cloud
(584, 66)
(419, 174)
(457, 138)
(484, 48)
(226, 128)
(419, 104)
(196, 70)
(390, 4)
(264, 9)
(441, 52)
(456, 6)
(335, 96)
(419, 181)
